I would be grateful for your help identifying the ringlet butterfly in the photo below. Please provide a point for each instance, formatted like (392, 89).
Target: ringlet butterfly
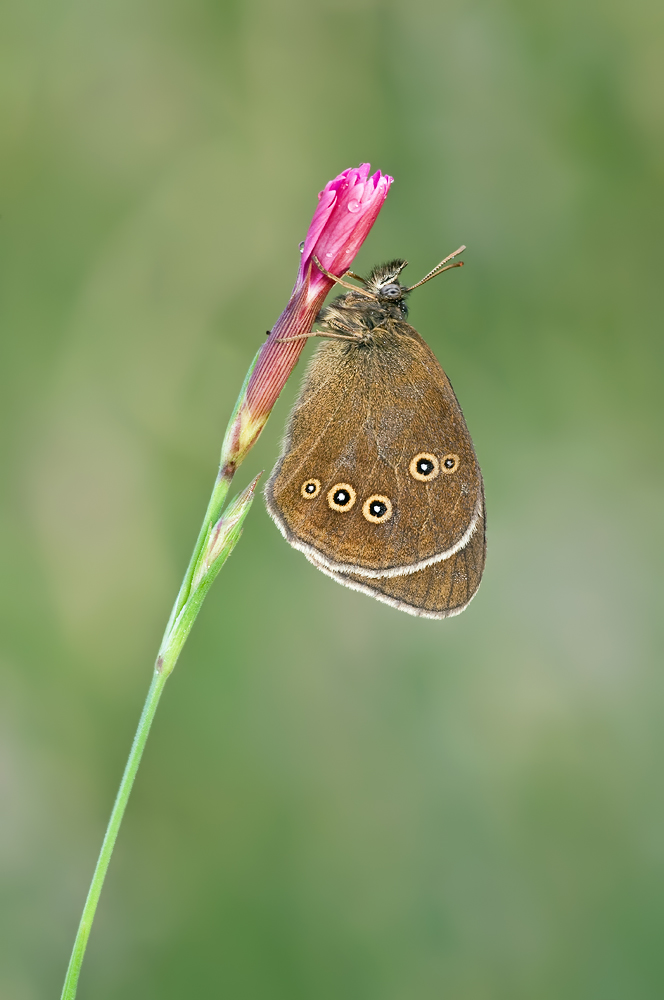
(378, 483)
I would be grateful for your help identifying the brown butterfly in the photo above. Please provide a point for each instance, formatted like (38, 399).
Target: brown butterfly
(378, 483)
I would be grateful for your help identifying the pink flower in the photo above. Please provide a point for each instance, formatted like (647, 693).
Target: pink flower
(347, 209)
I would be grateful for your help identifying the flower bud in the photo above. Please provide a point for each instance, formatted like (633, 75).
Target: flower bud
(347, 209)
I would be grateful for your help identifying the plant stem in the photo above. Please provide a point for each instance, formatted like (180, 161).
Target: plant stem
(159, 679)
(197, 581)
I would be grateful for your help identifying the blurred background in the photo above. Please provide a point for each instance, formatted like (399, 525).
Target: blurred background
(337, 800)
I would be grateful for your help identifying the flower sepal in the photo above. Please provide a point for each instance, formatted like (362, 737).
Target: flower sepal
(223, 537)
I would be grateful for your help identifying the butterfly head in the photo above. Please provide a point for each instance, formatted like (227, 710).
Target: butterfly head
(381, 297)
(384, 282)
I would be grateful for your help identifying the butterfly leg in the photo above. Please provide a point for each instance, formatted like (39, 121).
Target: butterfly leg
(339, 281)
(318, 333)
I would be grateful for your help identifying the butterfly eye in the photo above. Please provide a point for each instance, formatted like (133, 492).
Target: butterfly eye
(311, 488)
(424, 467)
(450, 463)
(377, 509)
(341, 497)
(391, 291)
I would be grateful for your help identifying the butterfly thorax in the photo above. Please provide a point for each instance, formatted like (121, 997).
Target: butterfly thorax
(359, 312)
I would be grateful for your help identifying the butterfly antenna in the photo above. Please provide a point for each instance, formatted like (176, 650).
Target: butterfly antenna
(439, 268)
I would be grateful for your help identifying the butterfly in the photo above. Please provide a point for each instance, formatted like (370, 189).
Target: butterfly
(378, 483)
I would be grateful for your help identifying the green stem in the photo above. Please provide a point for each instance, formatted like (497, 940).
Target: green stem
(154, 694)
(183, 616)
(188, 603)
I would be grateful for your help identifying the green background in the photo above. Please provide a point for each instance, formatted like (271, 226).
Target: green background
(337, 800)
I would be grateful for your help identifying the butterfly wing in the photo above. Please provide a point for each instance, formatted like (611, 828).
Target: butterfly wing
(364, 415)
